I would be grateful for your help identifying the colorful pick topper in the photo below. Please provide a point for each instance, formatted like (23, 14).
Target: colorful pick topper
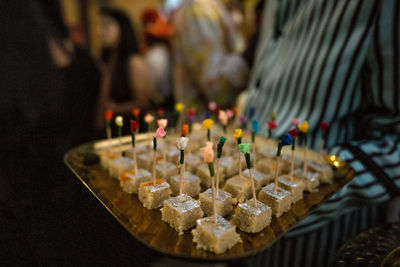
(134, 125)
(294, 133)
(207, 152)
(272, 125)
(184, 130)
(162, 123)
(119, 121)
(286, 140)
(179, 107)
(191, 118)
(191, 112)
(221, 143)
(223, 117)
(244, 148)
(235, 111)
(212, 105)
(207, 123)
(229, 113)
(273, 116)
(108, 114)
(238, 134)
(136, 112)
(303, 127)
(159, 133)
(252, 111)
(255, 126)
(182, 142)
(295, 121)
(148, 118)
(324, 126)
(161, 111)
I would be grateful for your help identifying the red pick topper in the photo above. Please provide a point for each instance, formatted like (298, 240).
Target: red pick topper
(161, 111)
(324, 126)
(272, 125)
(184, 130)
(134, 125)
(294, 133)
(235, 111)
(108, 114)
(191, 112)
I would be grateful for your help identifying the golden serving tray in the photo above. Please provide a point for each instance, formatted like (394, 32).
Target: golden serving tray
(147, 227)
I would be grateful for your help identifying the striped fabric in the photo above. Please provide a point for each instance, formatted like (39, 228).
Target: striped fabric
(335, 61)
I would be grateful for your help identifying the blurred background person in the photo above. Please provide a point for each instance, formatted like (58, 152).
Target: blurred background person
(207, 63)
(157, 53)
(127, 72)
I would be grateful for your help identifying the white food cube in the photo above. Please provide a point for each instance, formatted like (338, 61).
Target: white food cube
(130, 181)
(173, 154)
(145, 160)
(239, 187)
(190, 184)
(192, 161)
(181, 212)
(280, 201)
(286, 163)
(105, 157)
(250, 218)
(140, 148)
(153, 196)
(310, 179)
(260, 179)
(266, 153)
(230, 167)
(325, 172)
(266, 165)
(294, 186)
(119, 165)
(215, 237)
(166, 169)
(223, 202)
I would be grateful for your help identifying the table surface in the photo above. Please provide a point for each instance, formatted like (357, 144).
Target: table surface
(147, 227)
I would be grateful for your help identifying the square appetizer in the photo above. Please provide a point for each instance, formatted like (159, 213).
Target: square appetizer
(266, 165)
(325, 172)
(251, 218)
(204, 174)
(153, 196)
(166, 169)
(239, 187)
(130, 182)
(216, 237)
(260, 179)
(280, 201)
(192, 161)
(223, 202)
(173, 154)
(310, 179)
(295, 186)
(230, 167)
(105, 157)
(190, 184)
(145, 160)
(140, 148)
(181, 212)
(119, 165)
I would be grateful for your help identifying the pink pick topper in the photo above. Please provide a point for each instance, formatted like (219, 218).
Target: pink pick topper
(229, 113)
(160, 133)
(212, 105)
(208, 152)
(295, 121)
(223, 117)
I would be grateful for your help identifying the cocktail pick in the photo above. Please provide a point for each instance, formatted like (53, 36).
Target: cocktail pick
(162, 123)
(179, 107)
(324, 126)
(293, 133)
(148, 119)
(271, 127)
(207, 123)
(221, 143)
(245, 148)
(238, 137)
(191, 112)
(108, 114)
(286, 140)
(161, 112)
(303, 128)
(119, 121)
(159, 133)
(223, 118)
(134, 127)
(181, 143)
(256, 128)
(208, 155)
(243, 122)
